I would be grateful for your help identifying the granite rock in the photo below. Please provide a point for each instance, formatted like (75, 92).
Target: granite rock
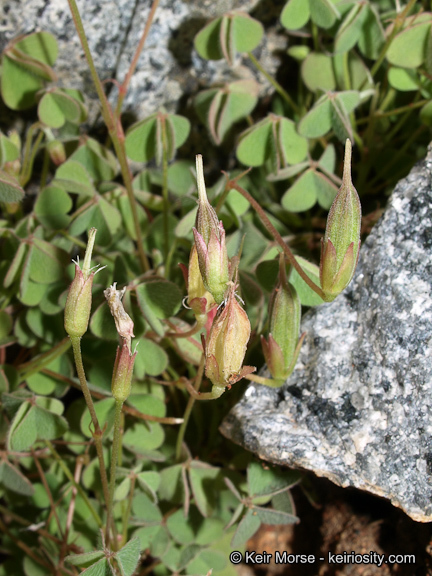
(168, 68)
(358, 407)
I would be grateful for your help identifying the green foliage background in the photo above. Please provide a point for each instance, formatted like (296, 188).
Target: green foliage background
(358, 70)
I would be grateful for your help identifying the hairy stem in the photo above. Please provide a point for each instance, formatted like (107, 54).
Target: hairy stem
(115, 131)
(277, 237)
(113, 469)
(96, 432)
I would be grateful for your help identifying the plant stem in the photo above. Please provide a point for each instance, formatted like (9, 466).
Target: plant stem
(275, 84)
(165, 190)
(97, 432)
(113, 469)
(125, 85)
(71, 479)
(277, 237)
(128, 510)
(189, 406)
(115, 131)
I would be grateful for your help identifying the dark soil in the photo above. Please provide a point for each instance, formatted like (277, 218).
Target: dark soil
(344, 520)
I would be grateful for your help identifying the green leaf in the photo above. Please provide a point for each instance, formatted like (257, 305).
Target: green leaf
(10, 190)
(100, 214)
(350, 30)
(142, 438)
(12, 479)
(323, 13)
(207, 42)
(295, 14)
(293, 147)
(105, 413)
(246, 529)
(307, 296)
(372, 35)
(128, 557)
(275, 517)
(263, 481)
(8, 150)
(154, 357)
(247, 32)
(52, 206)
(317, 72)
(171, 487)
(55, 108)
(181, 180)
(48, 262)
(86, 559)
(22, 432)
(145, 510)
(148, 404)
(49, 425)
(98, 161)
(179, 131)
(403, 79)
(319, 120)
(184, 529)
(73, 177)
(149, 482)
(408, 48)
(101, 568)
(102, 323)
(255, 144)
(302, 195)
(163, 297)
(202, 480)
(25, 66)
(141, 140)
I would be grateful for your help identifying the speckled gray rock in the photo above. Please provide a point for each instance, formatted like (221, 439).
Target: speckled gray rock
(168, 66)
(358, 407)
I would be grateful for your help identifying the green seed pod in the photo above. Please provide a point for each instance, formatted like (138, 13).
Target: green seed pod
(341, 245)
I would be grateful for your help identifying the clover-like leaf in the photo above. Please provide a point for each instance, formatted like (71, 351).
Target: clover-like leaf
(408, 48)
(144, 140)
(10, 190)
(55, 108)
(26, 66)
(220, 108)
(350, 30)
(295, 14)
(231, 33)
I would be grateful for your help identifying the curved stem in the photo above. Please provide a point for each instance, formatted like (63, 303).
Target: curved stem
(277, 237)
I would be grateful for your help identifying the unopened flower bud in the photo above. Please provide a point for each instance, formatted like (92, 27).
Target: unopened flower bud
(341, 245)
(210, 242)
(199, 299)
(283, 346)
(122, 373)
(78, 303)
(123, 322)
(226, 345)
(56, 151)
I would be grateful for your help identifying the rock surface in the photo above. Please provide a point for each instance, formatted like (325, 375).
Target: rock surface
(168, 67)
(358, 407)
